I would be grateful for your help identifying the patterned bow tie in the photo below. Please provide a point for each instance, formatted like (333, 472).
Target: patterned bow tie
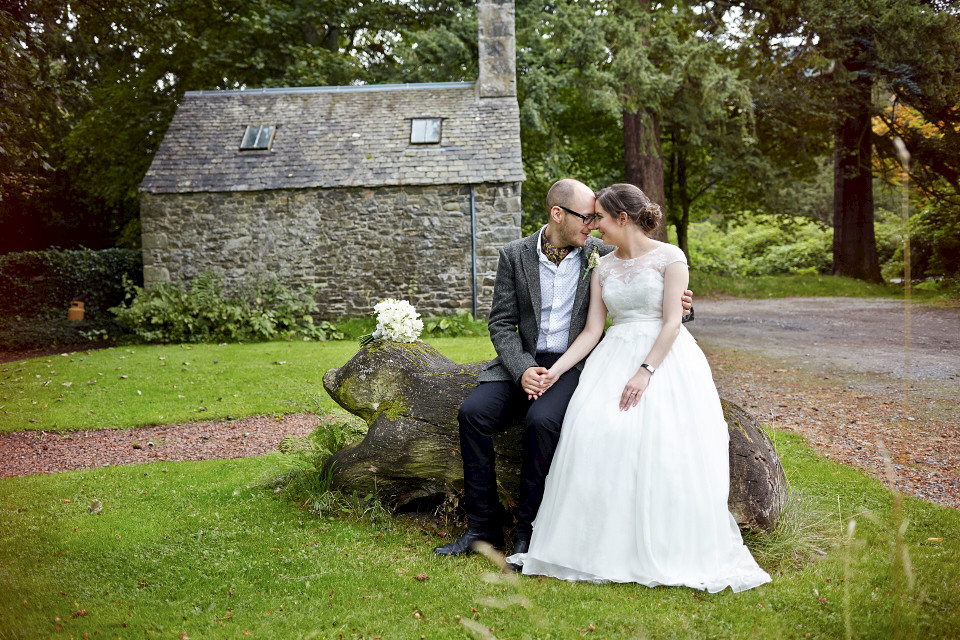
(554, 254)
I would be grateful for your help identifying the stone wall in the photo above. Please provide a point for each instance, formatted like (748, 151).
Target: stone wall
(358, 245)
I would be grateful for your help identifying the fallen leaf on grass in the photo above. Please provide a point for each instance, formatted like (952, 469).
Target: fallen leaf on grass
(78, 613)
(421, 577)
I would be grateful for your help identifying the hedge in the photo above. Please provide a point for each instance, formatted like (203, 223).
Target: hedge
(38, 283)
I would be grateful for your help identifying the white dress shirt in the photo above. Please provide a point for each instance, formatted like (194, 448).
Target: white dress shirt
(558, 288)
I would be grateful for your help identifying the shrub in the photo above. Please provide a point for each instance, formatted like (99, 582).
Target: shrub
(43, 283)
(203, 312)
(764, 245)
(306, 481)
(934, 244)
(457, 325)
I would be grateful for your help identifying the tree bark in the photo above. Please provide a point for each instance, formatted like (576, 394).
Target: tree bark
(409, 395)
(683, 197)
(854, 242)
(643, 157)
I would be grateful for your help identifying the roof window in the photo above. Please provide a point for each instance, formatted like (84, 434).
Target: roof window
(257, 137)
(425, 130)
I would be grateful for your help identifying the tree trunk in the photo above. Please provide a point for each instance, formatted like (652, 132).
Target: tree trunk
(854, 243)
(684, 199)
(643, 157)
(409, 395)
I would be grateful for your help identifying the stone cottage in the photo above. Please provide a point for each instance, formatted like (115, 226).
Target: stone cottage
(365, 191)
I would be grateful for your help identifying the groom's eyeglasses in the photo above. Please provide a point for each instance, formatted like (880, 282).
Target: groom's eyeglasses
(584, 219)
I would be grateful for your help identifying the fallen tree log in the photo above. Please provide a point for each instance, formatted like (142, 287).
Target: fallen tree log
(409, 395)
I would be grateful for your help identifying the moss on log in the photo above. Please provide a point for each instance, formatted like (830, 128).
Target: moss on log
(409, 395)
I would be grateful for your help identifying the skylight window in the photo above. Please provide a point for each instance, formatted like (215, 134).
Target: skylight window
(257, 137)
(425, 130)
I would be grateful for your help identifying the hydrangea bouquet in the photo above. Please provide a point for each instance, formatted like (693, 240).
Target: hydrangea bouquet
(397, 320)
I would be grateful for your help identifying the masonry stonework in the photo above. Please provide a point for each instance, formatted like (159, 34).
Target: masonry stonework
(358, 245)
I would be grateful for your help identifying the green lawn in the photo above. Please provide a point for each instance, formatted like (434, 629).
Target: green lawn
(158, 384)
(208, 551)
(205, 550)
(784, 286)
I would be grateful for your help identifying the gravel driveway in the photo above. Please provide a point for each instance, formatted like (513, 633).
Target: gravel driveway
(838, 335)
(840, 372)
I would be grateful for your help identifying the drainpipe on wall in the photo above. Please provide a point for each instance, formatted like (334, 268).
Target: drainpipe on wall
(473, 250)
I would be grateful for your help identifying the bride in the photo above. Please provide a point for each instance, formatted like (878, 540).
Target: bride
(637, 491)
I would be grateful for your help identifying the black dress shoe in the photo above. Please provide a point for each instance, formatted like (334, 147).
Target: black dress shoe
(464, 544)
(521, 544)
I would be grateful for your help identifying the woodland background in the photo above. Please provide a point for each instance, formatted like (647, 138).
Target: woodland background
(772, 119)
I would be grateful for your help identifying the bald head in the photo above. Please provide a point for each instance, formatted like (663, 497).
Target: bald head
(565, 196)
(565, 193)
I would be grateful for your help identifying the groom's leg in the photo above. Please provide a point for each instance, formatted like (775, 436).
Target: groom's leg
(540, 436)
(484, 414)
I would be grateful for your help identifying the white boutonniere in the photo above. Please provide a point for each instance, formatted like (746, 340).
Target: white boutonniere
(592, 261)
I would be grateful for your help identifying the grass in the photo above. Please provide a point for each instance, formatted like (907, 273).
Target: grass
(206, 550)
(783, 286)
(160, 384)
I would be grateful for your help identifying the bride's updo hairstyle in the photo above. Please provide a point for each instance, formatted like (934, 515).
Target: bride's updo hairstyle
(629, 199)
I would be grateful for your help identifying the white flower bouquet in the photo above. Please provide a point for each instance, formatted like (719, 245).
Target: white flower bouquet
(397, 320)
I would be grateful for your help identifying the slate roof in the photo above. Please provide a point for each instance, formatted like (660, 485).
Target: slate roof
(337, 137)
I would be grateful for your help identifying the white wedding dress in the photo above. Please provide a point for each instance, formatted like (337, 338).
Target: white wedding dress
(641, 495)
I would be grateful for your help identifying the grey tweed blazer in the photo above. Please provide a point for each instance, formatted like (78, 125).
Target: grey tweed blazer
(514, 320)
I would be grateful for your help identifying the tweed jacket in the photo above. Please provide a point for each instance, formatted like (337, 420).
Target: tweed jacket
(514, 319)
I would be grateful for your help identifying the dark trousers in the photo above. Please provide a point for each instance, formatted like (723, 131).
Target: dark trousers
(486, 412)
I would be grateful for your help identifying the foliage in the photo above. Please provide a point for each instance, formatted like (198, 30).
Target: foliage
(762, 245)
(89, 89)
(306, 481)
(203, 311)
(35, 283)
(838, 59)
(456, 325)
(934, 243)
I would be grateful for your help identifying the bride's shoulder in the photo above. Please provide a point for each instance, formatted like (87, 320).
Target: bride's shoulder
(671, 252)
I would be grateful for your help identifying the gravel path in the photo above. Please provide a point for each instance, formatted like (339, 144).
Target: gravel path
(29, 452)
(841, 372)
(839, 334)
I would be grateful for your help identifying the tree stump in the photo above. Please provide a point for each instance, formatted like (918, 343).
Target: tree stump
(409, 395)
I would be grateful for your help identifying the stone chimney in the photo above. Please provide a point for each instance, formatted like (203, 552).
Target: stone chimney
(498, 55)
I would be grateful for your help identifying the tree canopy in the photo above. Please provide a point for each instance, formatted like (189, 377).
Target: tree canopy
(721, 108)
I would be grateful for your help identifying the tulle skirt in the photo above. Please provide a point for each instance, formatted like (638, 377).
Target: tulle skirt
(641, 495)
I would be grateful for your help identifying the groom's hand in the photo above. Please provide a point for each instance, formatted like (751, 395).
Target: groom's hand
(687, 301)
(532, 382)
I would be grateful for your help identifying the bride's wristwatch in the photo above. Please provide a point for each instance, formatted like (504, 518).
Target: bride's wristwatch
(648, 368)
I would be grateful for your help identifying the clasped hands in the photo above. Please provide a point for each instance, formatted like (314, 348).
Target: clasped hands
(536, 380)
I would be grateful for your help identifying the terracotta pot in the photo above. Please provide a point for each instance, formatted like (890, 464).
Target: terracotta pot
(75, 312)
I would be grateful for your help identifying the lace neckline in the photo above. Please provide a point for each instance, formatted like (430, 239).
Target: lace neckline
(642, 255)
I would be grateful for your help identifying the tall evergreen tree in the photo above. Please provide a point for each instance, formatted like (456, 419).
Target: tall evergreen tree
(853, 51)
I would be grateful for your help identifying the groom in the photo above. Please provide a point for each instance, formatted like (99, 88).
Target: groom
(540, 303)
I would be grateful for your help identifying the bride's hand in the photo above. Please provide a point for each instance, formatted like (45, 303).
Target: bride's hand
(546, 381)
(634, 389)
